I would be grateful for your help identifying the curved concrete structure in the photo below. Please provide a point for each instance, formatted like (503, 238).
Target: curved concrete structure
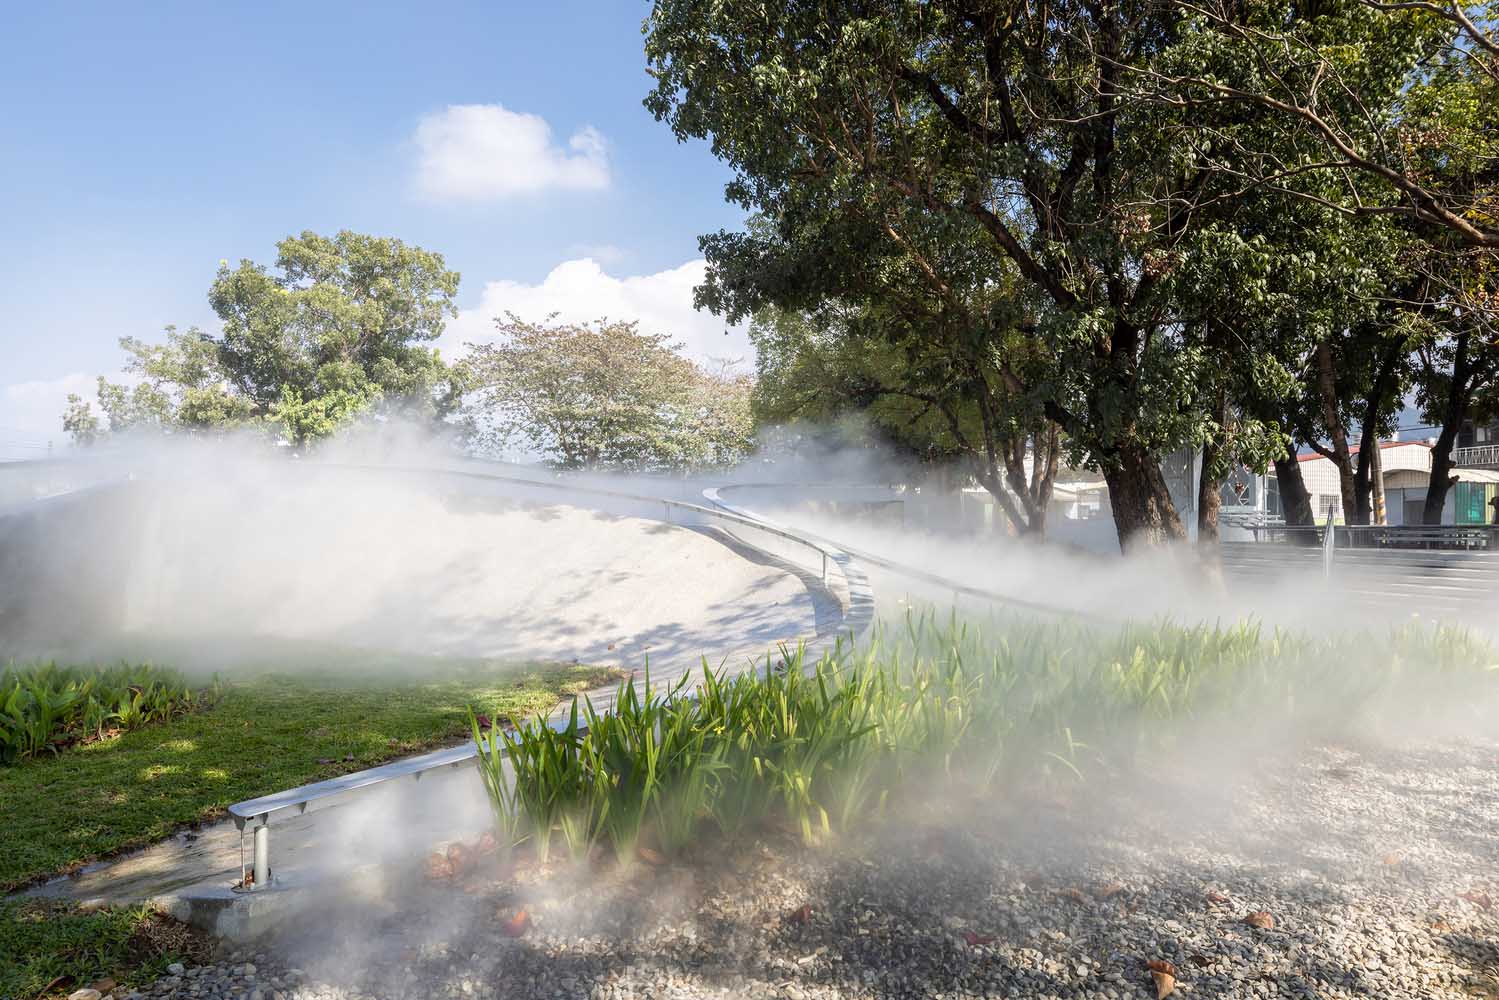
(516, 566)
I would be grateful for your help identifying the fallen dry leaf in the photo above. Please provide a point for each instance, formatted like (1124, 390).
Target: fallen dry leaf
(59, 983)
(800, 915)
(1201, 961)
(460, 858)
(1165, 983)
(650, 857)
(104, 985)
(1478, 899)
(1109, 891)
(516, 925)
(1439, 924)
(1161, 965)
(1216, 898)
(1391, 859)
(1074, 893)
(439, 867)
(974, 940)
(1260, 919)
(484, 721)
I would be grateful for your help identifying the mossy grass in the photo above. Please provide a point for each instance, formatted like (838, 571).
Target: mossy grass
(50, 948)
(269, 730)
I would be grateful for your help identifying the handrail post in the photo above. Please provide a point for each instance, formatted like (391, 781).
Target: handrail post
(263, 855)
(1327, 545)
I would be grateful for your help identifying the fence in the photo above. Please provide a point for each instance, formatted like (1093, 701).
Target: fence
(1483, 455)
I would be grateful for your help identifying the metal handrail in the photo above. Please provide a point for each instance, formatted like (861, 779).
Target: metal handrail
(714, 496)
(256, 814)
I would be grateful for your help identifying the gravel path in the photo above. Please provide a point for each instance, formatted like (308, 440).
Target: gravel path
(1375, 866)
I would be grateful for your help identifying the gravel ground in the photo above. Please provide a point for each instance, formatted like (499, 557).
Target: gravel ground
(1375, 866)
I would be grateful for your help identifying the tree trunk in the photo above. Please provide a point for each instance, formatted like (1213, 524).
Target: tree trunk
(1025, 502)
(1441, 479)
(1452, 421)
(1295, 501)
(1366, 477)
(1209, 501)
(1210, 479)
(1327, 386)
(1144, 515)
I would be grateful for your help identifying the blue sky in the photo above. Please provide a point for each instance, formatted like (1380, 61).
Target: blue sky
(141, 148)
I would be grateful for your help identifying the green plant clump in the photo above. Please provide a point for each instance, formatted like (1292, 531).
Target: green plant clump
(821, 748)
(46, 708)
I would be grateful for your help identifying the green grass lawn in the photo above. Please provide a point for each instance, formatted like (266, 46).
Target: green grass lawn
(50, 949)
(266, 733)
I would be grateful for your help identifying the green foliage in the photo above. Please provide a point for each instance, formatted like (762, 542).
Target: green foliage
(604, 396)
(1137, 221)
(80, 421)
(342, 710)
(46, 708)
(822, 748)
(339, 333)
(971, 177)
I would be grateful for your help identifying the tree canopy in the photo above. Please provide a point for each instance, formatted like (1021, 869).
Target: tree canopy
(1107, 200)
(604, 395)
(338, 329)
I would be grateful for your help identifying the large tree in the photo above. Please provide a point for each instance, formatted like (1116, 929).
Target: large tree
(965, 142)
(341, 328)
(604, 396)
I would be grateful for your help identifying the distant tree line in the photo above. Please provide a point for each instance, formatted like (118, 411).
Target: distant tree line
(1108, 230)
(340, 331)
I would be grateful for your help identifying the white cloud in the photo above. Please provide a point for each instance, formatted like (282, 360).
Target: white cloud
(484, 152)
(31, 414)
(580, 291)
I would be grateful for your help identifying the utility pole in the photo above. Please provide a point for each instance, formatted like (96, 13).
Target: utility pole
(1376, 467)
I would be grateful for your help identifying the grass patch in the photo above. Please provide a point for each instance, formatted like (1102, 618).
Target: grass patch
(51, 949)
(266, 733)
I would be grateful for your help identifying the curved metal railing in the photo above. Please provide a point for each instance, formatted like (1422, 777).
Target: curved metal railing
(714, 496)
(854, 597)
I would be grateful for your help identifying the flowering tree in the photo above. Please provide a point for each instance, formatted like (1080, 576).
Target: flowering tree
(604, 396)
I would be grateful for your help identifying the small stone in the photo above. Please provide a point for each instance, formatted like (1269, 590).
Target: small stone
(86, 994)
(176, 969)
